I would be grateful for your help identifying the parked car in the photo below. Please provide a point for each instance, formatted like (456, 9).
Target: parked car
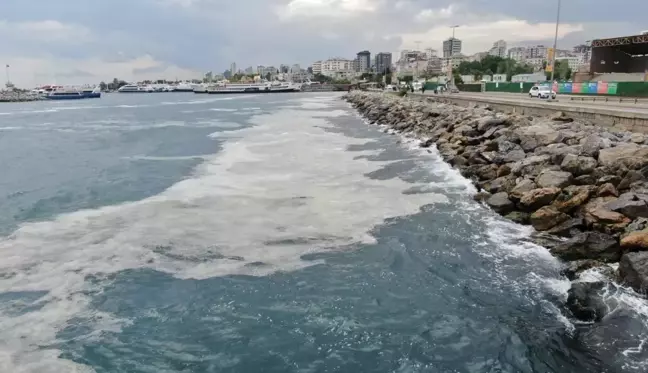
(541, 91)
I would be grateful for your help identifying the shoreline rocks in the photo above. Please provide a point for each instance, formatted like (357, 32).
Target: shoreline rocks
(583, 183)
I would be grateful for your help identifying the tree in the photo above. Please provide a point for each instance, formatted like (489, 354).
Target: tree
(388, 79)
(103, 86)
(407, 78)
(366, 76)
(268, 76)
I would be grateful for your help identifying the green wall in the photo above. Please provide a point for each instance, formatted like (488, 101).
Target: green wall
(630, 89)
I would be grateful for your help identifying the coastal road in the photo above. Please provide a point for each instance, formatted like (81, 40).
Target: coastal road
(562, 101)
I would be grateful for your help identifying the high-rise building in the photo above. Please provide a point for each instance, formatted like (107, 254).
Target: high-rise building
(451, 47)
(538, 51)
(249, 70)
(364, 61)
(317, 67)
(233, 69)
(517, 54)
(430, 53)
(284, 68)
(295, 69)
(383, 62)
(498, 49)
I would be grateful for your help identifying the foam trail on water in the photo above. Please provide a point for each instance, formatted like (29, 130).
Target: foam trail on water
(279, 190)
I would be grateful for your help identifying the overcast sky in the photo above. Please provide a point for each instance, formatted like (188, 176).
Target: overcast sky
(79, 41)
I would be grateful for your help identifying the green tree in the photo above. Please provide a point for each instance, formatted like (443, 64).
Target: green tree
(268, 76)
(408, 78)
(367, 76)
(388, 79)
(103, 86)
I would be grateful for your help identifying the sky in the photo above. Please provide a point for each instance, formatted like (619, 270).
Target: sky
(87, 41)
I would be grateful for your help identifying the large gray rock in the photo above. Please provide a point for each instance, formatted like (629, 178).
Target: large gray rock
(538, 135)
(585, 301)
(523, 186)
(532, 165)
(500, 203)
(554, 179)
(574, 268)
(558, 151)
(633, 270)
(627, 155)
(630, 205)
(570, 228)
(592, 144)
(573, 197)
(578, 165)
(589, 245)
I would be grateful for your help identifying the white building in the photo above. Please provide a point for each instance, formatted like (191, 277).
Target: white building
(336, 67)
(233, 69)
(573, 62)
(317, 67)
(451, 47)
(498, 49)
(295, 68)
(538, 51)
(454, 61)
(430, 53)
(536, 62)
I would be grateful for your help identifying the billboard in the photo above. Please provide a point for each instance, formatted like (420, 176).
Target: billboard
(550, 56)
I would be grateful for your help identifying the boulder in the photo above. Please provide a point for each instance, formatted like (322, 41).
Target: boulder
(560, 116)
(547, 217)
(599, 216)
(592, 144)
(519, 217)
(607, 190)
(637, 225)
(501, 184)
(635, 241)
(637, 138)
(584, 180)
(633, 270)
(574, 268)
(557, 152)
(589, 245)
(584, 300)
(500, 203)
(573, 197)
(537, 135)
(485, 124)
(612, 179)
(569, 228)
(554, 179)
(503, 170)
(481, 196)
(531, 165)
(627, 155)
(523, 186)
(630, 178)
(630, 205)
(536, 198)
(578, 165)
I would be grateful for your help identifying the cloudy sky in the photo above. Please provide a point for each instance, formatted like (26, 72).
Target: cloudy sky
(78, 41)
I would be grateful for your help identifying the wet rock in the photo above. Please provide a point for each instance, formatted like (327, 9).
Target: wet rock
(576, 267)
(554, 179)
(570, 228)
(501, 184)
(589, 245)
(522, 187)
(635, 241)
(481, 196)
(637, 225)
(536, 198)
(547, 217)
(573, 197)
(607, 190)
(545, 240)
(633, 270)
(578, 165)
(519, 217)
(500, 203)
(585, 302)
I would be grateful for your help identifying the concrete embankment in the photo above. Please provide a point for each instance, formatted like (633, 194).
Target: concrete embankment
(583, 188)
(15, 96)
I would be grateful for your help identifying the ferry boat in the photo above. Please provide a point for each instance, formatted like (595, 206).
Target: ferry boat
(202, 88)
(268, 87)
(89, 92)
(134, 88)
(184, 87)
(65, 94)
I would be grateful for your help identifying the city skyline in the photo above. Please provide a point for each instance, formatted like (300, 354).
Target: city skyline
(77, 41)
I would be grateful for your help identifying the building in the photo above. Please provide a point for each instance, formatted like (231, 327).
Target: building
(233, 69)
(336, 67)
(453, 61)
(498, 49)
(295, 69)
(451, 47)
(364, 61)
(518, 54)
(537, 62)
(284, 69)
(316, 67)
(430, 53)
(573, 62)
(434, 65)
(249, 70)
(383, 62)
(477, 57)
(538, 51)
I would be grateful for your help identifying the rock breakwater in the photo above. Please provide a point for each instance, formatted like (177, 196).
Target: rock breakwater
(583, 188)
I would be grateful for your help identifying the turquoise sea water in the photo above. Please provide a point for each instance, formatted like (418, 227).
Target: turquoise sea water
(269, 233)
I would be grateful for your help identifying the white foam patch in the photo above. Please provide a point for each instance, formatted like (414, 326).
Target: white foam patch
(284, 188)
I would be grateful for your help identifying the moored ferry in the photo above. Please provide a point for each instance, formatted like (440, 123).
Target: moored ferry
(134, 88)
(268, 87)
(90, 92)
(65, 94)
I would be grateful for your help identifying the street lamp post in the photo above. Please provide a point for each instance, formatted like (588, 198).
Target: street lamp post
(553, 56)
(452, 55)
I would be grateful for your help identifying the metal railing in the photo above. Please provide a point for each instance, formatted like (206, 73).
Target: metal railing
(634, 100)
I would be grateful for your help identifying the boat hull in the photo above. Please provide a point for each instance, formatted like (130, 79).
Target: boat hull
(223, 92)
(68, 97)
(92, 95)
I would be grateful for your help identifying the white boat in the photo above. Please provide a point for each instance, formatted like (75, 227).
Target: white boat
(69, 93)
(202, 88)
(134, 88)
(266, 87)
(184, 87)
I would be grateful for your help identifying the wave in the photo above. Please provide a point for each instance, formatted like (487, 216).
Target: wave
(279, 183)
